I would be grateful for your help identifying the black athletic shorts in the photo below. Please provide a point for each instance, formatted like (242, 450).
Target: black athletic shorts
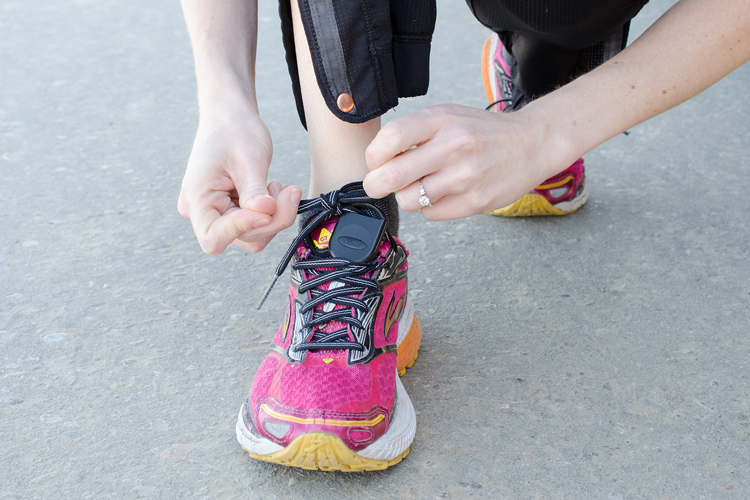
(368, 53)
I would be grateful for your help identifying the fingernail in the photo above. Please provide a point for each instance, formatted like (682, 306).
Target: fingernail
(297, 195)
(261, 223)
(260, 195)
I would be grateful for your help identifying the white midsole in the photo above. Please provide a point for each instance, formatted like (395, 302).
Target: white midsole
(392, 444)
(400, 433)
(575, 203)
(251, 442)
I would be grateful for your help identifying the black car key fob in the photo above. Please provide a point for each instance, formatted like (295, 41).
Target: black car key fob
(356, 237)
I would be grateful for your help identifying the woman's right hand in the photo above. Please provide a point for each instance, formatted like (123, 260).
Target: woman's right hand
(224, 192)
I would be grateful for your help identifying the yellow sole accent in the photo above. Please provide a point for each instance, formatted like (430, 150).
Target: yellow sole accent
(530, 205)
(408, 351)
(556, 184)
(321, 451)
(320, 420)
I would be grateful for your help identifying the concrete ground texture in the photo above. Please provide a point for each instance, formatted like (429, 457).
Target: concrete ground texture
(599, 355)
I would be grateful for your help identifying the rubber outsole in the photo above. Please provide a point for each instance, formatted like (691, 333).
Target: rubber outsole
(321, 451)
(531, 205)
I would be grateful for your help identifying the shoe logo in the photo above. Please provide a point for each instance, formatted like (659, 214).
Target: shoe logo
(299, 334)
(323, 239)
(395, 261)
(327, 360)
(352, 243)
(558, 192)
(392, 314)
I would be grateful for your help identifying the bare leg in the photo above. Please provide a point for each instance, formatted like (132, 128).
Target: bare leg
(337, 148)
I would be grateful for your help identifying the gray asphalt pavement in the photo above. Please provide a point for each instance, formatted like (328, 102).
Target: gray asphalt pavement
(600, 355)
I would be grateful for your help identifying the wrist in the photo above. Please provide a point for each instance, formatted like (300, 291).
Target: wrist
(223, 88)
(558, 141)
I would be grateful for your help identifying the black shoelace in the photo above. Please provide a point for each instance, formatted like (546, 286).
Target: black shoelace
(348, 273)
(496, 103)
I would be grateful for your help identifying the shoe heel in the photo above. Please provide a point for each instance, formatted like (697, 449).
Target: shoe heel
(408, 351)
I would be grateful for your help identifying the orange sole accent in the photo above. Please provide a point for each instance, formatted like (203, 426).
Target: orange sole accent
(321, 451)
(408, 351)
(531, 205)
(486, 70)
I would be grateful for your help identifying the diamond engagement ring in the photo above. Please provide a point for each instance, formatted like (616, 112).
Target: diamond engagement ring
(424, 200)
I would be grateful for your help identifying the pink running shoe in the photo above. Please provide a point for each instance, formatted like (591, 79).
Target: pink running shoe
(561, 194)
(328, 395)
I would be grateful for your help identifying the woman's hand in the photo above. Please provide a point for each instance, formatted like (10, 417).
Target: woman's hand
(224, 192)
(470, 161)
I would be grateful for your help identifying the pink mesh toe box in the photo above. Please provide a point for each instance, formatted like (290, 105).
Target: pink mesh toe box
(323, 387)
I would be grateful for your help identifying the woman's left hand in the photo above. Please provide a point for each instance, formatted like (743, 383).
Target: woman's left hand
(470, 161)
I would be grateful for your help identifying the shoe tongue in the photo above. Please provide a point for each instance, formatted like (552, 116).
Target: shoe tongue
(319, 239)
(355, 232)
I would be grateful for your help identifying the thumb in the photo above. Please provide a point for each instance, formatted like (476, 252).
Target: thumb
(253, 194)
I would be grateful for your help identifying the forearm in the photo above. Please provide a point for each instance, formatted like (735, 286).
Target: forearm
(691, 47)
(224, 38)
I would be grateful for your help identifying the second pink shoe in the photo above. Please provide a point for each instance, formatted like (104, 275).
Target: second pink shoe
(561, 194)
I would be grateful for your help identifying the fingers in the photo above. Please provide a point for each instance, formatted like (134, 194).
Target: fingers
(274, 188)
(388, 156)
(463, 156)
(405, 170)
(436, 186)
(399, 135)
(224, 191)
(253, 193)
(182, 206)
(287, 201)
(215, 231)
(450, 207)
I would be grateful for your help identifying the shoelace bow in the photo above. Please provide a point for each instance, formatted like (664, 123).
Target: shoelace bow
(347, 273)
